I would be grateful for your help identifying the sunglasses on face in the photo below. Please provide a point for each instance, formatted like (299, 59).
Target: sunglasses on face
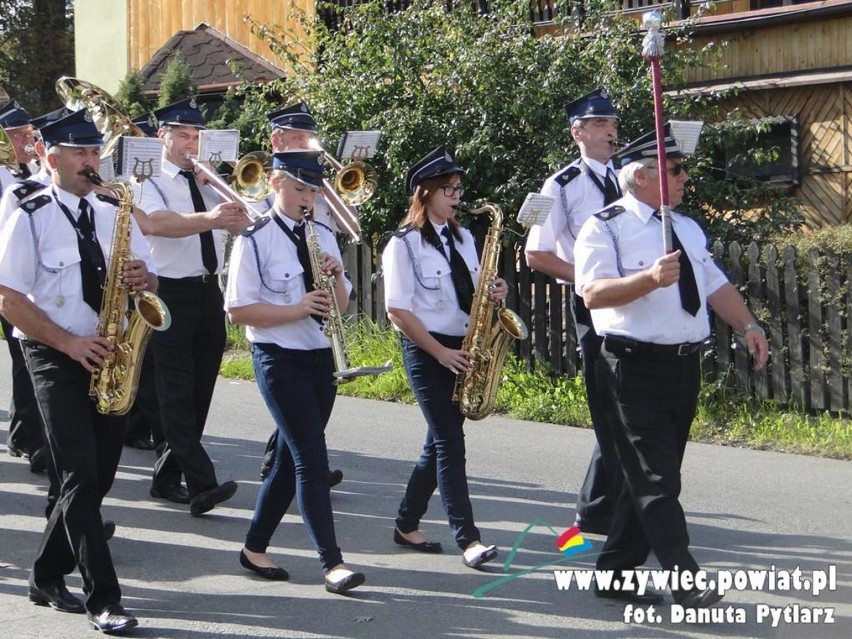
(674, 170)
(450, 191)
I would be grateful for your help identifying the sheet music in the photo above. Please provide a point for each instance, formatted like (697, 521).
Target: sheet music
(138, 157)
(219, 145)
(535, 209)
(686, 134)
(106, 169)
(359, 145)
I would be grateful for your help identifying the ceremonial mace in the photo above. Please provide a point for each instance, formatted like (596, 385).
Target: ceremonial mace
(652, 50)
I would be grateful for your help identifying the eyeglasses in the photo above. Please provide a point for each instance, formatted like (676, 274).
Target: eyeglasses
(450, 191)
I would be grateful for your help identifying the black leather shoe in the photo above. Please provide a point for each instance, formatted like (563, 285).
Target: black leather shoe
(699, 598)
(648, 598)
(335, 477)
(111, 619)
(207, 499)
(431, 547)
(38, 460)
(56, 596)
(109, 529)
(274, 574)
(347, 583)
(174, 492)
(14, 451)
(141, 443)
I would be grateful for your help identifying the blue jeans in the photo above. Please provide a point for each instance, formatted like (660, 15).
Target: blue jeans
(442, 462)
(299, 391)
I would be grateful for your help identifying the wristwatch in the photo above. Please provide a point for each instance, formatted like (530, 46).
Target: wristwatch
(754, 326)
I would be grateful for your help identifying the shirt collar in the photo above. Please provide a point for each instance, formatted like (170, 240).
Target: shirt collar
(599, 167)
(70, 200)
(439, 229)
(637, 207)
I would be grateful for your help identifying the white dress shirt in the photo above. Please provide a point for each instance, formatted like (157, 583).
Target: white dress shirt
(418, 279)
(39, 257)
(575, 202)
(265, 269)
(177, 257)
(633, 241)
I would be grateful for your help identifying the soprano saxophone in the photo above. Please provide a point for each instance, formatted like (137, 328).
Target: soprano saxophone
(486, 340)
(343, 371)
(114, 385)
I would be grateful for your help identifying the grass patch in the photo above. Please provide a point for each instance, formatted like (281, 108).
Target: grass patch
(724, 416)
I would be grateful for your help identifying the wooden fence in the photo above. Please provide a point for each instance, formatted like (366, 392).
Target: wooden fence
(803, 302)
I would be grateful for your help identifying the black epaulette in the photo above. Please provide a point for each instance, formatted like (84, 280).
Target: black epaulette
(568, 174)
(25, 188)
(405, 229)
(610, 212)
(258, 224)
(31, 206)
(108, 199)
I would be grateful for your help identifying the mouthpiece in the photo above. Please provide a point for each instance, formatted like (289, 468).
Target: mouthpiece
(90, 174)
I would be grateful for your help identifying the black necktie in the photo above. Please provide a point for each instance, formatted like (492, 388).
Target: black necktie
(689, 299)
(304, 257)
(92, 264)
(459, 273)
(611, 190)
(208, 248)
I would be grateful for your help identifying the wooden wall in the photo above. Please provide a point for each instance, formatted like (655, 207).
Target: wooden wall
(804, 46)
(152, 22)
(825, 136)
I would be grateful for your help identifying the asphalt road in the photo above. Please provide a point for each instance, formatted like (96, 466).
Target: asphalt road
(180, 574)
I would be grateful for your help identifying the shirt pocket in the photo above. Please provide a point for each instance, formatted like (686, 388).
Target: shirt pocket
(435, 273)
(638, 259)
(62, 266)
(286, 278)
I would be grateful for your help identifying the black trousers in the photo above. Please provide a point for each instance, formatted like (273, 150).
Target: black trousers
(186, 363)
(602, 482)
(143, 420)
(25, 428)
(654, 400)
(85, 448)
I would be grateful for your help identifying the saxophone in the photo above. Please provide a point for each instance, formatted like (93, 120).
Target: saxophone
(114, 385)
(486, 340)
(333, 329)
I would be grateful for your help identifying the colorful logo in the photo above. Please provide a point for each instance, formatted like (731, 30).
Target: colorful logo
(571, 542)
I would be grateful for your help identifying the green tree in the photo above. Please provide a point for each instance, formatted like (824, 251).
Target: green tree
(131, 95)
(36, 48)
(486, 87)
(176, 83)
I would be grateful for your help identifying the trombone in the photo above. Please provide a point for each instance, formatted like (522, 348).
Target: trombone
(250, 178)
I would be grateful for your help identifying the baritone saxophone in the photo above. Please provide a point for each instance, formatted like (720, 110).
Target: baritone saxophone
(487, 339)
(114, 385)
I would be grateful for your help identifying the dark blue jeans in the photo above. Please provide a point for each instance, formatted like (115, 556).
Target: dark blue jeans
(442, 462)
(299, 391)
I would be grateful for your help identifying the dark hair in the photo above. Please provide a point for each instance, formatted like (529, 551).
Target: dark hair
(419, 202)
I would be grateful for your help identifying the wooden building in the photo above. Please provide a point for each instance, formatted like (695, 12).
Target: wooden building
(790, 59)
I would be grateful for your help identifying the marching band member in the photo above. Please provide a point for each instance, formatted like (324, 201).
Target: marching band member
(271, 292)
(15, 121)
(650, 307)
(430, 270)
(581, 188)
(293, 128)
(54, 257)
(187, 223)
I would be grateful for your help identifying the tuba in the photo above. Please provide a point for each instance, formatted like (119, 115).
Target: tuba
(486, 340)
(114, 386)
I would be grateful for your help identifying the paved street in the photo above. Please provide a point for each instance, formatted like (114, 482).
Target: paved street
(180, 574)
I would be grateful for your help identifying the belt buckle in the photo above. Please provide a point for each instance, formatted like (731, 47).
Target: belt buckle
(207, 277)
(683, 350)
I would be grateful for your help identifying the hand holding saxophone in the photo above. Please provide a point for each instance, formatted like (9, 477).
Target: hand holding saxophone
(135, 275)
(498, 290)
(456, 360)
(317, 302)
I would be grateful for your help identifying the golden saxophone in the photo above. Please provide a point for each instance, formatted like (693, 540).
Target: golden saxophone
(343, 372)
(486, 340)
(114, 385)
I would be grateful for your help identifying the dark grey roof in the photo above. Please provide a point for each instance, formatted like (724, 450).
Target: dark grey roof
(210, 56)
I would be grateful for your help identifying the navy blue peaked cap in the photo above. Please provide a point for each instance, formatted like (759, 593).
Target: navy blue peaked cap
(13, 115)
(681, 138)
(592, 105)
(76, 129)
(144, 123)
(295, 116)
(436, 163)
(53, 116)
(305, 166)
(181, 113)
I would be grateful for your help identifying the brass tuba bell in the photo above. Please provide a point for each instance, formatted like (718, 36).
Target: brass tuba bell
(106, 113)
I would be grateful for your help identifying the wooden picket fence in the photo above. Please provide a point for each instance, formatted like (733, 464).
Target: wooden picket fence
(805, 304)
